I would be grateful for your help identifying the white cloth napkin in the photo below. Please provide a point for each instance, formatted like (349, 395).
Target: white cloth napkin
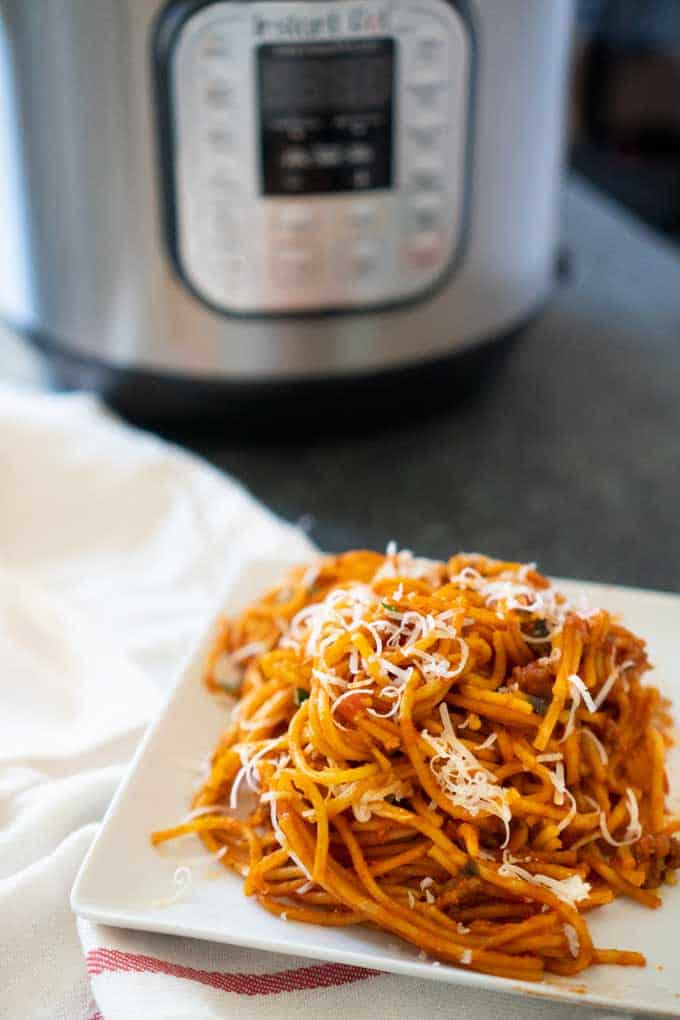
(115, 549)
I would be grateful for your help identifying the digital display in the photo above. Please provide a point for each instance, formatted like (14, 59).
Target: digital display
(326, 116)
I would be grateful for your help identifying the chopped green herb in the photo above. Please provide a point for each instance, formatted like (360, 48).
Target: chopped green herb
(300, 695)
(392, 608)
(539, 705)
(230, 686)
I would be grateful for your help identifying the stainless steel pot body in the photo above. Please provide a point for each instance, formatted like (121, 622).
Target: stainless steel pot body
(85, 258)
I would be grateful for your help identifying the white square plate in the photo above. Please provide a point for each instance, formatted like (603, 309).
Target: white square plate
(123, 878)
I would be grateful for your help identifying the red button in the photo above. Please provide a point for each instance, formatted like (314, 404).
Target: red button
(425, 250)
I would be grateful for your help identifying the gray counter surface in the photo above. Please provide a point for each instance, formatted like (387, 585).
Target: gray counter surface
(570, 455)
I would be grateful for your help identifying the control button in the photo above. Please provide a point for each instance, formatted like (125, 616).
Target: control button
(297, 132)
(214, 47)
(359, 153)
(294, 267)
(362, 261)
(432, 120)
(427, 177)
(223, 177)
(426, 91)
(292, 181)
(327, 155)
(362, 179)
(426, 136)
(429, 49)
(426, 250)
(220, 138)
(364, 217)
(220, 94)
(295, 158)
(425, 213)
(294, 218)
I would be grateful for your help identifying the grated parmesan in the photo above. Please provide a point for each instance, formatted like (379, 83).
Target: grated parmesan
(634, 829)
(207, 809)
(572, 940)
(570, 890)
(461, 776)
(247, 772)
(561, 792)
(363, 810)
(283, 842)
(182, 880)
(405, 564)
(579, 692)
(604, 757)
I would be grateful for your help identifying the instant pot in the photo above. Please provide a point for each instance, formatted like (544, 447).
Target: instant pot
(211, 200)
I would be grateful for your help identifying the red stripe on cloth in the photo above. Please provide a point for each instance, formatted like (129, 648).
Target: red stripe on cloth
(97, 1016)
(324, 975)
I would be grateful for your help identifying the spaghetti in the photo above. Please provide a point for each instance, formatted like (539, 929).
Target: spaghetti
(448, 751)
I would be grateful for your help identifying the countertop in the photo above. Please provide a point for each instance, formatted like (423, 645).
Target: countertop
(568, 455)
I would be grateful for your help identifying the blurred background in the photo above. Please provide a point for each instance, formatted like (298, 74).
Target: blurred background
(566, 450)
(625, 127)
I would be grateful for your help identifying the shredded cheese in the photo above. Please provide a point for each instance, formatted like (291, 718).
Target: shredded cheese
(228, 669)
(604, 757)
(208, 809)
(283, 842)
(558, 782)
(570, 890)
(463, 778)
(363, 810)
(572, 940)
(513, 591)
(579, 692)
(182, 880)
(633, 830)
(405, 564)
(247, 772)
(557, 778)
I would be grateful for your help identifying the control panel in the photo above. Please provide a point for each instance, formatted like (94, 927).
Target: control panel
(319, 151)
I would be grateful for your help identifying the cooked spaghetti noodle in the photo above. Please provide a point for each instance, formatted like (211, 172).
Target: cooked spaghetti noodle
(448, 751)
